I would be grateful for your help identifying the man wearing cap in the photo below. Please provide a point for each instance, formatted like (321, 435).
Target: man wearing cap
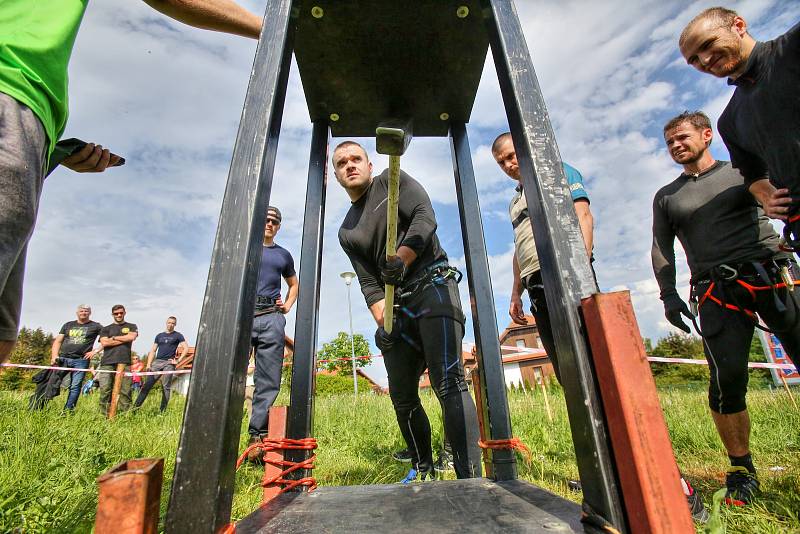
(268, 338)
(72, 348)
(169, 348)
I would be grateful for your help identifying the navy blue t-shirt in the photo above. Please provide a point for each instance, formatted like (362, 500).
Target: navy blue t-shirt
(168, 344)
(276, 263)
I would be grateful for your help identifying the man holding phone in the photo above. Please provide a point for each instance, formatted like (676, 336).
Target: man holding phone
(36, 40)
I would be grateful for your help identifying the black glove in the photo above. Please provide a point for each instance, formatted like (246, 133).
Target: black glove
(384, 340)
(674, 307)
(393, 271)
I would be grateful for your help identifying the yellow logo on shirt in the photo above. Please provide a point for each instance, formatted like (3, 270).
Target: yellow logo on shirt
(126, 330)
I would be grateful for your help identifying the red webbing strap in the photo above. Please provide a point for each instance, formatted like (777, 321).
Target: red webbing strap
(749, 287)
(794, 218)
(270, 444)
(512, 444)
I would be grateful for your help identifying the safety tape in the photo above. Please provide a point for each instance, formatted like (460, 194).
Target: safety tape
(756, 365)
(56, 368)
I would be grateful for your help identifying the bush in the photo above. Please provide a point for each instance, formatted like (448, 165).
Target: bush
(340, 384)
(32, 348)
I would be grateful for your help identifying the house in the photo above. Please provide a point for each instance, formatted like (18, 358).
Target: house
(524, 360)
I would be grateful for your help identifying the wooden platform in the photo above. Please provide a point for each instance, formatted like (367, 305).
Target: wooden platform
(458, 506)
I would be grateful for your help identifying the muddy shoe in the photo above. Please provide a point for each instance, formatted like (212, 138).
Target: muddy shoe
(742, 486)
(256, 455)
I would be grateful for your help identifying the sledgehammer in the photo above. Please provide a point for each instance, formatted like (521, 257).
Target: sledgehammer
(392, 138)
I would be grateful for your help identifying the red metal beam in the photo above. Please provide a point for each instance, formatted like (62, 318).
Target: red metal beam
(648, 474)
(129, 496)
(276, 430)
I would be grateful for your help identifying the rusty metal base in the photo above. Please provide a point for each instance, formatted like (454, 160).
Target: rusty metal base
(460, 506)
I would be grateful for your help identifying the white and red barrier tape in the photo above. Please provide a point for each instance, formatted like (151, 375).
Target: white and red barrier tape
(127, 373)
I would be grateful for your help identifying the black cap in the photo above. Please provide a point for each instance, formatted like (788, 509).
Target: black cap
(274, 213)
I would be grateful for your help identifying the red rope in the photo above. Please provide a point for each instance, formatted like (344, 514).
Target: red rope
(271, 444)
(506, 444)
(750, 289)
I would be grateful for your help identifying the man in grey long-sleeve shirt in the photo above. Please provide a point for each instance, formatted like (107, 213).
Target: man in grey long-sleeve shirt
(428, 325)
(729, 245)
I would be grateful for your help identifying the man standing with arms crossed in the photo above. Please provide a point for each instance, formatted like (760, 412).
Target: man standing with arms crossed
(761, 123)
(430, 330)
(736, 268)
(527, 274)
(73, 346)
(36, 40)
(268, 337)
(117, 340)
(163, 356)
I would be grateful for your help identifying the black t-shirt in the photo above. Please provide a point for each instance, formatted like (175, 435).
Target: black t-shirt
(761, 123)
(276, 262)
(168, 344)
(120, 353)
(78, 338)
(363, 232)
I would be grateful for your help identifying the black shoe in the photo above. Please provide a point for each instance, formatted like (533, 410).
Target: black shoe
(696, 506)
(742, 486)
(403, 456)
(444, 462)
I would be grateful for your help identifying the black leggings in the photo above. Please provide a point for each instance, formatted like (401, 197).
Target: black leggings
(728, 333)
(432, 327)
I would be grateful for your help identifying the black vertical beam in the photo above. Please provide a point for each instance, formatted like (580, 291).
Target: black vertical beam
(301, 403)
(497, 421)
(202, 487)
(566, 270)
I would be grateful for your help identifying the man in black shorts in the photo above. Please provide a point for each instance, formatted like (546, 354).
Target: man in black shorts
(72, 348)
(738, 276)
(117, 340)
(268, 337)
(429, 323)
(163, 356)
(761, 123)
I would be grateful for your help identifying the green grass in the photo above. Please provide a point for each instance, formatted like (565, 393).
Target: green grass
(49, 462)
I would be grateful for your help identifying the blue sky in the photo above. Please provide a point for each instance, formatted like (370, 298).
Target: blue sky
(169, 97)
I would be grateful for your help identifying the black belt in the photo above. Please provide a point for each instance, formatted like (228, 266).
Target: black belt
(426, 276)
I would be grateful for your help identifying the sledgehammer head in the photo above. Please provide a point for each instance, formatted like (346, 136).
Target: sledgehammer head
(392, 137)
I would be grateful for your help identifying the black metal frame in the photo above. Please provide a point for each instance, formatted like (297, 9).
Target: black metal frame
(202, 488)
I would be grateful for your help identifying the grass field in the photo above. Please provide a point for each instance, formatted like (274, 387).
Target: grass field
(49, 462)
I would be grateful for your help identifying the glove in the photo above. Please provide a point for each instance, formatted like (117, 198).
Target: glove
(674, 307)
(393, 271)
(384, 340)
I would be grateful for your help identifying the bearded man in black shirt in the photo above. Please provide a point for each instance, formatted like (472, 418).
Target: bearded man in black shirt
(428, 325)
(738, 276)
(761, 123)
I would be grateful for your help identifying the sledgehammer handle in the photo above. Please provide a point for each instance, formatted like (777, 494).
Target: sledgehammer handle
(391, 235)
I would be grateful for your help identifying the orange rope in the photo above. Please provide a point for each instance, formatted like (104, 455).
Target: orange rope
(506, 444)
(271, 444)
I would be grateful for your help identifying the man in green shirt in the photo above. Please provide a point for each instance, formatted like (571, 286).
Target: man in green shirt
(36, 40)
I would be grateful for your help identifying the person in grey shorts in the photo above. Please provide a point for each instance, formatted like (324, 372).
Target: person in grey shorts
(268, 338)
(33, 116)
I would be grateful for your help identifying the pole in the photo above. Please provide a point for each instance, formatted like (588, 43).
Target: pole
(786, 387)
(352, 342)
(112, 410)
(391, 236)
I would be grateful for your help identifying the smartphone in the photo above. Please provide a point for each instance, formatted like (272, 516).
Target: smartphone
(67, 147)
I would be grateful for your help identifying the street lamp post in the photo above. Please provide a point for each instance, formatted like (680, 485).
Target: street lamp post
(348, 279)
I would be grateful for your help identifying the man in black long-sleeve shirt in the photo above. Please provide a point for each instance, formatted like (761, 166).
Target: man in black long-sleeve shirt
(761, 123)
(738, 275)
(429, 323)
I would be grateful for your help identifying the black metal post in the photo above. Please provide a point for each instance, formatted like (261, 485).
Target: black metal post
(301, 403)
(202, 487)
(566, 270)
(497, 421)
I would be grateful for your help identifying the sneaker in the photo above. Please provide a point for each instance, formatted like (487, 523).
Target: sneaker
(255, 455)
(418, 476)
(695, 501)
(742, 486)
(444, 462)
(403, 456)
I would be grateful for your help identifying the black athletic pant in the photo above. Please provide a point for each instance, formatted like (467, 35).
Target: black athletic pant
(539, 310)
(729, 333)
(432, 326)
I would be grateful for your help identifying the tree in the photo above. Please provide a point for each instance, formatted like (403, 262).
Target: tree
(32, 348)
(337, 353)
